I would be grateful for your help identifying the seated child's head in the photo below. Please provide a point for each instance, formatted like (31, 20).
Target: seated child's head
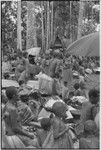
(71, 94)
(46, 123)
(94, 96)
(6, 75)
(76, 86)
(21, 82)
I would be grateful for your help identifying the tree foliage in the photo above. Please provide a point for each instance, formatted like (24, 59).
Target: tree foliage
(63, 22)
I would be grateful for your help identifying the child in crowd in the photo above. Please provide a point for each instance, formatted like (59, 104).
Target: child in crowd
(90, 109)
(12, 119)
(59, 136)
(42, 133)
(90, 141)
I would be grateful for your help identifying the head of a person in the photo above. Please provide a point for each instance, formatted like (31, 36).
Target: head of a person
(65, 83)
(6, 75)
(23, 95)
(90, 127)
(71, 94)
(21, 82)
(12, 93)
(46, 123)
(94, 96)
(80, 63)
(32, 103)
(35, 95)
(59, 109)
(31, 59)
(76, 86)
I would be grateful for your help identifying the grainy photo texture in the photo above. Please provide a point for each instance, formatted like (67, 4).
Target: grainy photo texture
(50, 64)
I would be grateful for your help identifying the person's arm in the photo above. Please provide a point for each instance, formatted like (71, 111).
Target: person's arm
(16, 127)
(34, 124)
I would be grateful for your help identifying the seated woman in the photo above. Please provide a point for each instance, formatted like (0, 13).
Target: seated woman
(11, 118)
(90, 141)
(89, 109)
(42, 133)
(59, 135)
(94, 98)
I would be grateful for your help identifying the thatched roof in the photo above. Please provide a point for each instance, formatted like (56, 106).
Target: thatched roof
(60, 43)
(57, 43)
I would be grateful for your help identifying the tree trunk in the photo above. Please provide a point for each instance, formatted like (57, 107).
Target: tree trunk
(80, 19)
(19, 41)
(0, 31)
(48, 25)
(70, 22)
(31, 30)
(52, 7)
(43, 36)
(45, 24)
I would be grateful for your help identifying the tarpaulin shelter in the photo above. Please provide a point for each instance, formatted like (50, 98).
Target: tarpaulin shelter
(86, 46)
(34, 51)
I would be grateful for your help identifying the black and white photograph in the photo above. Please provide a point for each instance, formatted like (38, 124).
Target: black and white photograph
(50, 74)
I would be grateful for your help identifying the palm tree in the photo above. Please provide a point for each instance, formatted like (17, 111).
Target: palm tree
(19, 41)
(80, 19)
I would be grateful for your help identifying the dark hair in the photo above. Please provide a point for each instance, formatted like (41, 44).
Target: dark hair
(21, 82)
(35, 95)
(10, 92)
(94, 96)
(24, 98)
(76, 86)
(71, 93)
(65, 83)
(6, 75)
(80, 63)
(31, 59)
(46, 123)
